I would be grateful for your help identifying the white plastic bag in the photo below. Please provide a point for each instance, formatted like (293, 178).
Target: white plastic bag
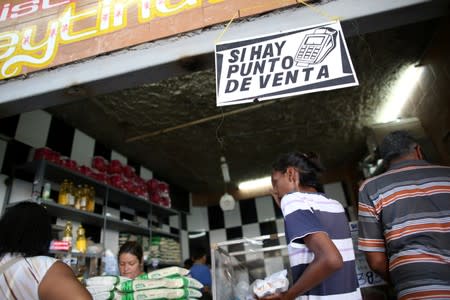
(272, 284)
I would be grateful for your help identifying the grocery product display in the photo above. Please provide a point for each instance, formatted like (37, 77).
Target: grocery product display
(81, 243)
(113, 173)
(166, 283)
(80, 196)
(165, 249)
(88, 203)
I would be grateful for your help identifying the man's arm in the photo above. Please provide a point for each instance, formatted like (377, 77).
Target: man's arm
(378, 262)
(371, 235)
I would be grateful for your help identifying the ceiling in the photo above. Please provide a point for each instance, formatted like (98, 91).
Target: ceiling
(330, 123)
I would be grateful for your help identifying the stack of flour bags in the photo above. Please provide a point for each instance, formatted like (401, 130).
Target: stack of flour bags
(167, 283)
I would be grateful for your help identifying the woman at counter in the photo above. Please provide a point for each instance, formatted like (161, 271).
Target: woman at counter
(26, 270)
(131, 262)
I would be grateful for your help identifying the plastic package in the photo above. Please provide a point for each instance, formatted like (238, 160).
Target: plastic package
(47, 154)
(115, 167)
(272, 284)
(129, 171)
(46, 191)
(69, 163)
(99, 163)
(110, 263)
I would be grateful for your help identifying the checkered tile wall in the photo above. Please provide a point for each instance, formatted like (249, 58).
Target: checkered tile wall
(21, 133)
(250, 218)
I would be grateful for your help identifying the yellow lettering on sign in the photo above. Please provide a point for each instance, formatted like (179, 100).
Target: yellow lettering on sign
(19, 49)
(8, 44)
(32, 54)
(69, 18)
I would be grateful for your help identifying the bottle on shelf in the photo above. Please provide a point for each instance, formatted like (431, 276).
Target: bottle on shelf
(78, 196)
(63, 198)
(68, 234)
(90, 199)
(35, 191)
(81, 243)
(71, 190)
(81, 197)
(46, 191)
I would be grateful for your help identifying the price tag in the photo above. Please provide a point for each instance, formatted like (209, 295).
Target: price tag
(366, 277)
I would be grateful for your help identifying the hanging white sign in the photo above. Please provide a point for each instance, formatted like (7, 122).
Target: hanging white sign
(300, 61)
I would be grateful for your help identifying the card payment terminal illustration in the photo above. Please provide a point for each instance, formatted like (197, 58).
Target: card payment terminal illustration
(316, 46)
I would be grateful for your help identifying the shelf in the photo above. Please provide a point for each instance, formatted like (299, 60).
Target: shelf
(117, 196)
(70, 213)
(121, 197)
(161, 211)
(163, 233)
(47, 171)
(123, 226)
(84, 217)
(75, 254)
(57, 173)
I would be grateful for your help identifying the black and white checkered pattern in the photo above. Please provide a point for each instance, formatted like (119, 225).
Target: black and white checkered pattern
(21, 133)
(200, 226)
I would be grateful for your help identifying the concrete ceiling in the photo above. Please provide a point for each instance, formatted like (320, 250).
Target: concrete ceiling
(330, 123)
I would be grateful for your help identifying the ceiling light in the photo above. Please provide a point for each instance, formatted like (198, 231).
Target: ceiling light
(227, 202)
(225, 171)
(399, 94)
(196, 235)
(265, 182)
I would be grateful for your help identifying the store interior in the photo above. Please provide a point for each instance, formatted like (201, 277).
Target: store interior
(171, 130)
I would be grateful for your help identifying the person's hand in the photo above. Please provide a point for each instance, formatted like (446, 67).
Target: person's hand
(277, 296)
(275, 196)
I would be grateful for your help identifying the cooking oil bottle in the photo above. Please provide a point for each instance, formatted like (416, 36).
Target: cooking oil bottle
(68, 234)
(81, 243)
(63, 198)
(91, 200)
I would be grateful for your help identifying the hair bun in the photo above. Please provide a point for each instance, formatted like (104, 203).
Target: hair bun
(314, 160)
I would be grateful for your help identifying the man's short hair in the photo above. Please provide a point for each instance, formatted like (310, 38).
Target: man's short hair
(396, 144)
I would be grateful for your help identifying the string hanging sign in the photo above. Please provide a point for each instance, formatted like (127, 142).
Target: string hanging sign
(295, 62)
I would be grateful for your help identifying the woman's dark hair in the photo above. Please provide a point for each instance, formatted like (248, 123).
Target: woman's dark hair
(25, 229)
(307, 164)
(132, 247)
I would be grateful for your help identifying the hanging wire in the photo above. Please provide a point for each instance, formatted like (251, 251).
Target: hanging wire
(305, 3)
(220, 138)
(226, 28)
(221, 142)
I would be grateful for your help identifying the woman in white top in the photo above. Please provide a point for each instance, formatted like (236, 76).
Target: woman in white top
(26, 270)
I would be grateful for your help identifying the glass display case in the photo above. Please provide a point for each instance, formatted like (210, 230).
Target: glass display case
(236, 264)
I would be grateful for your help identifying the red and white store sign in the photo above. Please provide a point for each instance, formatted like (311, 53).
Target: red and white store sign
(40, 34)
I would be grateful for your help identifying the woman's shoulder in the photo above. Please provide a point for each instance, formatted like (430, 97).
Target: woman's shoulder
(43, 258)
(34, 260)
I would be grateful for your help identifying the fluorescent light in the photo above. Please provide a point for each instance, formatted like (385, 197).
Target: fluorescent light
(399, 94)
(196, 235)
(265, 182)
